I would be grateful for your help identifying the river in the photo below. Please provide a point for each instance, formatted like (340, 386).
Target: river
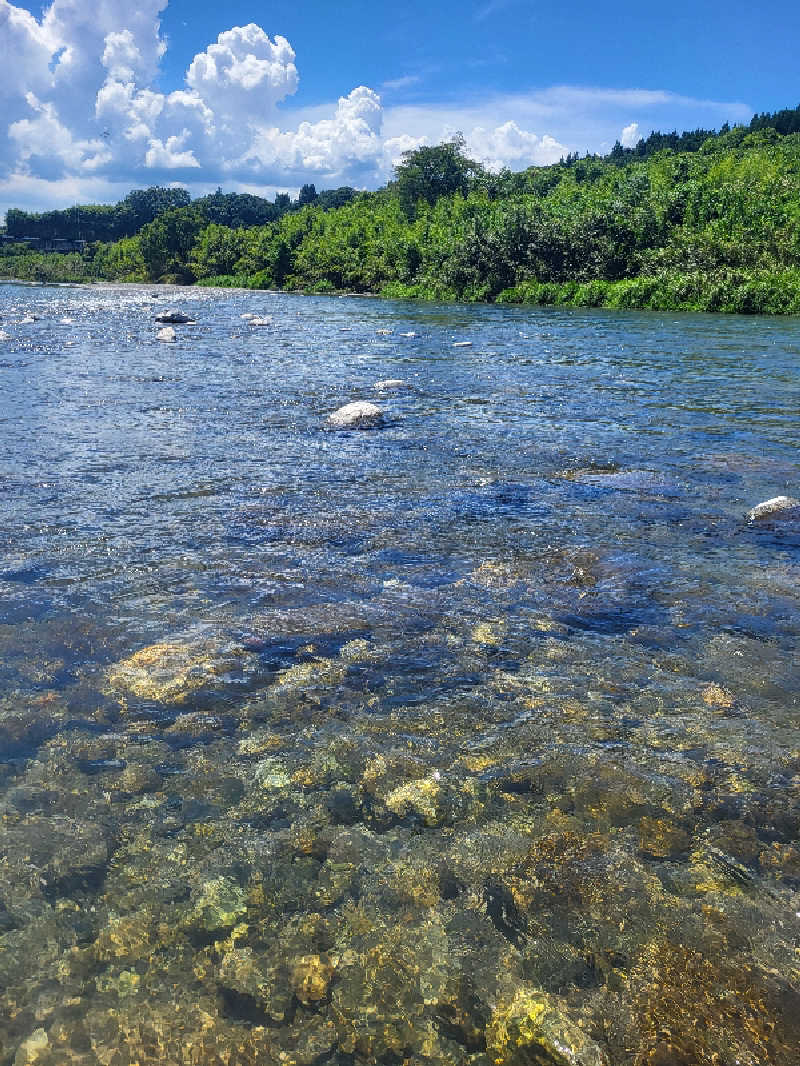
(469, 739)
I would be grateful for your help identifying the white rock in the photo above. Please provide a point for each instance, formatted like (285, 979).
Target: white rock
(254, 321)
(177, 317)
(4, 336)
(384, 332)
(773, 507)
(390, 384)
(28, 320)
(358, 415)
(462, 344)
(249, 314)
(411, 333)
(166, 334)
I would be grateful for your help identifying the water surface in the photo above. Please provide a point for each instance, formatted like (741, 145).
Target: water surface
(470, 739)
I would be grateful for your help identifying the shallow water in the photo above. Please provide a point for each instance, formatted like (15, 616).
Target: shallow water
(470, 739)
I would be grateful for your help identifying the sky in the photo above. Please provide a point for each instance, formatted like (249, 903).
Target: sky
(100, 97)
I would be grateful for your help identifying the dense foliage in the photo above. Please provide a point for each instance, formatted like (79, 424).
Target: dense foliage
(691, 221)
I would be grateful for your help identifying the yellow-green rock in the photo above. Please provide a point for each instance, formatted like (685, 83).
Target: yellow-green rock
(171, 671)
(219, 905)
(529, 1026)
(418, 797)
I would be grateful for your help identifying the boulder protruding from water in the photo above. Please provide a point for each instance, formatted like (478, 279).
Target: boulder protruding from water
(166, 334)
(777, 507)
(361, 414)
(176, 317)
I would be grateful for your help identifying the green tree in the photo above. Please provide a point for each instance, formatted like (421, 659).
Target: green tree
(307, 195)
(141, 206)
(166, 242)
(430, 173)
(216, 251)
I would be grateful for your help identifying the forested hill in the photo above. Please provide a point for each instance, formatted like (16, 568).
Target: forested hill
(699, 220)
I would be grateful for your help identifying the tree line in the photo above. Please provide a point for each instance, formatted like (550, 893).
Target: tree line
(713, 225)
(101, 222)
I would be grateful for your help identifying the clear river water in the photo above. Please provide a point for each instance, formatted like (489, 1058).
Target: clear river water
(469, 739)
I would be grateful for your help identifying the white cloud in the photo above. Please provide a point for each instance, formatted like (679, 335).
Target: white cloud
(245, 74)
(393, 84)
(80, 108)
(48, 141)
(172, 155)
(510, 146)
(629, 137)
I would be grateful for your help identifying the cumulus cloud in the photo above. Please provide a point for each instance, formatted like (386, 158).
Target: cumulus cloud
(245, 74)
(629, 137)
(80, 105)
(510, 146)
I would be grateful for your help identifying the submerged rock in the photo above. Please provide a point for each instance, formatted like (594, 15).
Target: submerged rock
(171, 671)
(310, 977)
(178, 317)
(219, 905)
(778, 506)
(530, 1027)
(417, 797)
(390, 385)
(358, 415)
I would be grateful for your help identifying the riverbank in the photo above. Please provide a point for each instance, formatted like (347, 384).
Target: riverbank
(727, 292)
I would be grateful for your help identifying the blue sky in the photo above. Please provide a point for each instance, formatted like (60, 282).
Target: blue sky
(99, 97)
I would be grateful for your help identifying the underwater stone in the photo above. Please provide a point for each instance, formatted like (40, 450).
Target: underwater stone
(530, 1027)
(418, 797)
(271, 775)
(662, 839)
(390, 385)
(30, 1049)
(244, 972)
(171, 671)
(317, 672)
(358, 415)
(219, 905)
(310, 977)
